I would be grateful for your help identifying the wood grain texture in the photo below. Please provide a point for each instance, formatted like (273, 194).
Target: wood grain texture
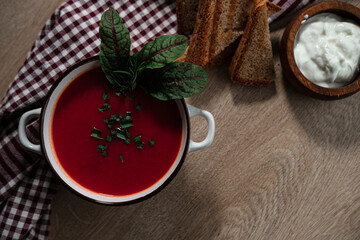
(21, 22)
(282, 166)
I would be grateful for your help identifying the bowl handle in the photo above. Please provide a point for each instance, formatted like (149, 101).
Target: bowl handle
(193, 111)
(25, 118)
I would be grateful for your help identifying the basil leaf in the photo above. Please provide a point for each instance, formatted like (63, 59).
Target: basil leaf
(115, 47)
(162, 50)
(174, 81)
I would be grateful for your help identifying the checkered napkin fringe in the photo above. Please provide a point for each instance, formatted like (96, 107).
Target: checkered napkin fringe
(70, 35)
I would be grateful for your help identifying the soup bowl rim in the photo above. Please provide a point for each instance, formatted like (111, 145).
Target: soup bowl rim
(183, 153)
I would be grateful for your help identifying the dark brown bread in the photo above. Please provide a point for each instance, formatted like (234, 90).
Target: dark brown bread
(186, 11)
(253, 62)
(219, 23)
(272, 8)
(218, 29)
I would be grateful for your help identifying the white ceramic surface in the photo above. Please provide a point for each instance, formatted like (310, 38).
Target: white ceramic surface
(50, 153)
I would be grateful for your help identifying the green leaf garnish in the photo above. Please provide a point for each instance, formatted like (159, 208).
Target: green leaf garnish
(127, 133)
(113, 118)
(138, 142)
(108, 138)
(105, 107)
(127, 141)
(104, 97)
(118, 119)
(140, 145)
(138, 107)
(120, 156)
(175, 81)
(96, 133)
(126, 124)
(120, 134)
(137, 139)
(102, 147)
(115, 46)
(163, 50)
(151, 143)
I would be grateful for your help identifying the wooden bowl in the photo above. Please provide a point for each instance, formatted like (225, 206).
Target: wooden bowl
(292, 72)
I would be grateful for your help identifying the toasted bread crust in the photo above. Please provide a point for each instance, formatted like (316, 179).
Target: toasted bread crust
(186, 20)
(218, 30)
(198, 52)
(272, 8)
(252, 63)
(219, 24)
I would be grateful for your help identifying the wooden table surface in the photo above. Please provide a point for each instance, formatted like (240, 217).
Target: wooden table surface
(282, 166)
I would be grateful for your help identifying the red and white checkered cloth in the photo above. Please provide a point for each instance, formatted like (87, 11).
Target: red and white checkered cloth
(71, 34)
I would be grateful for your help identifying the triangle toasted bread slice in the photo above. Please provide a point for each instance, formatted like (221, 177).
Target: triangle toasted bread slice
(186, 11)
(218, 29)
(253, 62)
(218, 24)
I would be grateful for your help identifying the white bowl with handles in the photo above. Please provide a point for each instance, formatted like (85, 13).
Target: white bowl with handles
(46, 113)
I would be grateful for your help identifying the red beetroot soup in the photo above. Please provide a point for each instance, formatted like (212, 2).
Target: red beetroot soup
(77, 113)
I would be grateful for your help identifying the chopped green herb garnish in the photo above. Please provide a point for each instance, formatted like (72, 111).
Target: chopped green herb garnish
(113, 117)
(120, 134)
(138, 107)
(106, 121)
(132, 97)
(105, 107)
(109, 126)
(119, 118)
(95, 130)
(118, 94)
(104, 96)
(126, 124)
(128, 116)
(138, 142)
(137, 139)
(102, 147)
(127, 141)
(140, 145)
(122, 160)
(108, 138)
(96, 133)
(151, 143)
(127, 133)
